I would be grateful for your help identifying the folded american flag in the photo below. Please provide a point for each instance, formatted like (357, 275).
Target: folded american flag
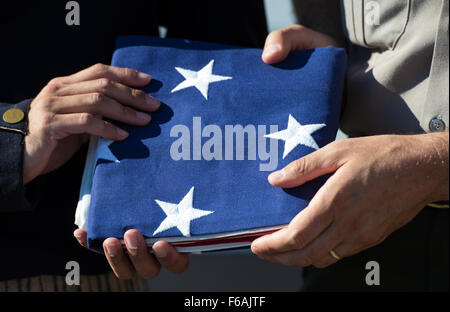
(196, 176)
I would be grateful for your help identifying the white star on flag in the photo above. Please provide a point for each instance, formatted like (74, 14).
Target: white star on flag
(103, 150)
(180, 215)
(296, 134)
(199, 79)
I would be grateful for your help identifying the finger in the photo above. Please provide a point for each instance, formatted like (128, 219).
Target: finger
(99, 104)
(170, 258)
(126, 76)
(293, 38)
(316, 253)
(276, 242)
(117, 259)
(280, 42)
(349, 248)
(304, 228)
(305, 169)
(357, 243)
(290, 258)
(117, 91)
(81, 237)
(64, 125)
(306, 225)
(347, 236)
(299, 258)
(144, 263)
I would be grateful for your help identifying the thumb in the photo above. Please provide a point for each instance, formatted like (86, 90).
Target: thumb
(280, 43)
(304, 169)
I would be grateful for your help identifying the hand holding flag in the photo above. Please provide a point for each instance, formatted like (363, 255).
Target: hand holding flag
(377, 186)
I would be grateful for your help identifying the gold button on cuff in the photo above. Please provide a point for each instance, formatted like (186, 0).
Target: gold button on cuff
(13, 115)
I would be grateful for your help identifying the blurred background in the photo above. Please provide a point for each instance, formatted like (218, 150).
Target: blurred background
(238, 270)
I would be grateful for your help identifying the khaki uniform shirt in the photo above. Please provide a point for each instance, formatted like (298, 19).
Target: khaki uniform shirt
(397, 79)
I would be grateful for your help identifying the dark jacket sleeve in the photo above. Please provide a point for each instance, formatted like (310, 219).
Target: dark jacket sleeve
(12, 190)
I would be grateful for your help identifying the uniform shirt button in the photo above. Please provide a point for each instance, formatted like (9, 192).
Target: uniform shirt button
(437, 124)
(13, 115)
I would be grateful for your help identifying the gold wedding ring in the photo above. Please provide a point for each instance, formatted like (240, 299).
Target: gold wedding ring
(334, 255)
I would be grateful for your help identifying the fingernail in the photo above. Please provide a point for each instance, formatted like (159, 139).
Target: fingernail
(121, 133)
(143, 76)
(152, 102)
(110, 250)
(131, 242)
(160, 252)
(143, 116)
(276, 176)
(269, 50)
(255, 249)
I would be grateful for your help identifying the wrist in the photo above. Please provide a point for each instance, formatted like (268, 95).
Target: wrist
(435, 160)
(31, 166)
